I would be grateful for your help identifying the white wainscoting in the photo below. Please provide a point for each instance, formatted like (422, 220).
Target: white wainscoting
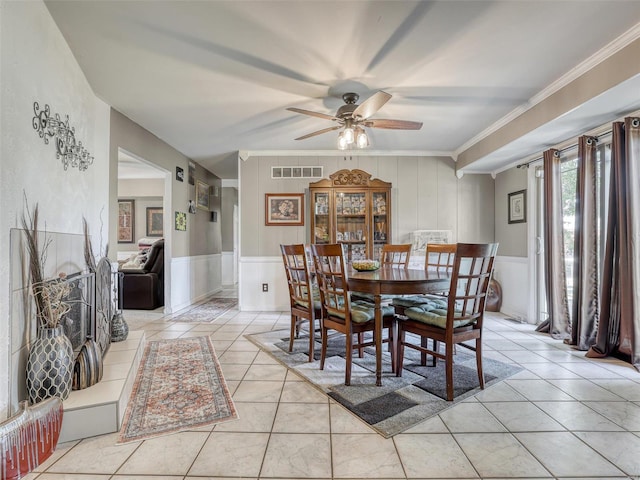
(194, 279)
(228, 269)
(254, 271)
(513, 275)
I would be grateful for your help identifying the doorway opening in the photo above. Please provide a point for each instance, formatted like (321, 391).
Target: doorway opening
(144, 195)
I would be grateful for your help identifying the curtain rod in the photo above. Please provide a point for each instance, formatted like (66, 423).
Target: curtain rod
(565, 149)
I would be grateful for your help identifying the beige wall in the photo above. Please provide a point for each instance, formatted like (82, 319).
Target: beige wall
(202, 236)
(476, 199)
(229, 201)
(426, 194)
(512, 237)
(145, 192)
(143, 187)
(205, 236)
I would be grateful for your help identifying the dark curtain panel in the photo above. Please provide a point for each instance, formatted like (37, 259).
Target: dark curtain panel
(557, 322)
(619, 326)
(584, 318)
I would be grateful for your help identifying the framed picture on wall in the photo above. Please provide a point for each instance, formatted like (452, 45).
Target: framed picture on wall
(181, 221)
(517, 207)
(202, 195)
(126, 221)
(284, 209)
(192, 173)
(155, 222)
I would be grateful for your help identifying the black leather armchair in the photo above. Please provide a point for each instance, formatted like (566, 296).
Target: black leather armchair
(143, 288)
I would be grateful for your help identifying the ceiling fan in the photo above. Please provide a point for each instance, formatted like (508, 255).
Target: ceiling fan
(354, 118)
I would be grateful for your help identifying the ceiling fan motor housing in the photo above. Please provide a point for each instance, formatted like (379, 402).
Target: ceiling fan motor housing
(350, 98)
(346, 111)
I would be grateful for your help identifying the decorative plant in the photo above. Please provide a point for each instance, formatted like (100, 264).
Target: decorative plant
(49, 295)
(89, 257)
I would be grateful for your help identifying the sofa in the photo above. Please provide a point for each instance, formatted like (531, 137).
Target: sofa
(143, 285)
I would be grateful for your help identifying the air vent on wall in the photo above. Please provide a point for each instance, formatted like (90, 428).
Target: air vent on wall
(297, 172)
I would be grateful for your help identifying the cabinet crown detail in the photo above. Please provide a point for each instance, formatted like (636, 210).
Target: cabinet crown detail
(351, 178)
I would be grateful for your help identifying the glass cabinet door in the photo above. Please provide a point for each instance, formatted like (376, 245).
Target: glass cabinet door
(354, 210)
(322, 228)
(351, 223)
(379, 204)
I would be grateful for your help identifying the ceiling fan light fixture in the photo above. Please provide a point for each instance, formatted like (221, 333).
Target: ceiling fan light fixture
(342, 141)
(362, 140)
(349, 134)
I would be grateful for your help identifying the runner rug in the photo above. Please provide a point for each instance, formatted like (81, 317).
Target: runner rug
(208, 311)
(401, 402)
(179, 386)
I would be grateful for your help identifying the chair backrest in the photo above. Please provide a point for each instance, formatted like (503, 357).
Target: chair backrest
(155, 260)
(396, 255)
(440, 256)
(472, 270)
(296, 265)
(330, 272)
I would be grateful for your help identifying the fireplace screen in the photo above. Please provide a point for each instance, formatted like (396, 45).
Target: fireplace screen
(78, 322)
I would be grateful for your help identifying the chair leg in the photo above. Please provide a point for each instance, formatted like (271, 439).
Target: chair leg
(323, 350)
(312, 337)
(399, 352)
(294, 321)
(393, 348)
(434, 359)
(348, 359)
(479, 362)
(423, 356)
(449, 369)
(361, 341)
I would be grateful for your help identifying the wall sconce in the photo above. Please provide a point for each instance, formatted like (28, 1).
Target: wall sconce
(214, 217)
(68, 149)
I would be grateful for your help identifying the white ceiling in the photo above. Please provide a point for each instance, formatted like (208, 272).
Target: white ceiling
(214, 77)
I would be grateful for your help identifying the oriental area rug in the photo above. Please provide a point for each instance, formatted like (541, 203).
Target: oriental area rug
(178, 386)
(208, 311)
(401, 402)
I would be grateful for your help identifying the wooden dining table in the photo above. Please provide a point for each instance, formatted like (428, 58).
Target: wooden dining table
(393, 280)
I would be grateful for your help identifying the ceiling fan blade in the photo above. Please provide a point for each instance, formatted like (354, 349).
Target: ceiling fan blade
(319, 132)
(372, 104)
(313, 114)
(393, 124)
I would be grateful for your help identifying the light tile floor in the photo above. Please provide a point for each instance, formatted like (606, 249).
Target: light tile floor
(564, 416)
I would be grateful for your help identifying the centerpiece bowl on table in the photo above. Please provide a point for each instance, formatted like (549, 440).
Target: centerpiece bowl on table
(365, 265)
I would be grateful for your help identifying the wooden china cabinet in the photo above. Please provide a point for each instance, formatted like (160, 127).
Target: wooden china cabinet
(353, 209)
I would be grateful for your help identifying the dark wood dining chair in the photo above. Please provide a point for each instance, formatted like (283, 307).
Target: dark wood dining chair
(341, 313)
(396, 255)
(439, 257)
(461, 321)
(303, 295)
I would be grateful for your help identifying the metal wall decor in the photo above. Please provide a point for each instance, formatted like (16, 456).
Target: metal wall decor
(68, 149)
